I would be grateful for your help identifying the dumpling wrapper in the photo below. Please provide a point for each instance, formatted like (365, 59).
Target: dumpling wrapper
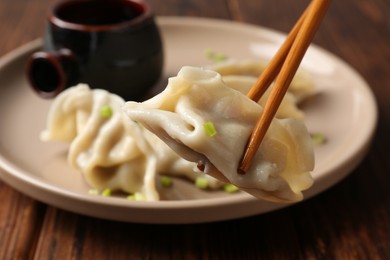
(287, 109)
(170, 163)
(282, 165)
(111, 152)
(301, 86)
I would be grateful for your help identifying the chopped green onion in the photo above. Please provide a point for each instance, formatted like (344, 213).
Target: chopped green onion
(219, 57)
(136, 196)
(106, 111)
(215, 56)
(166, 181)
(209, 129)
(201, 183)
(106, 192)
(93, 192)
(230, 188)
(318, 138)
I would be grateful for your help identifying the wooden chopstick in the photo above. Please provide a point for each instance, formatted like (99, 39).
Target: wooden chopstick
(296, 47)
(273, 68)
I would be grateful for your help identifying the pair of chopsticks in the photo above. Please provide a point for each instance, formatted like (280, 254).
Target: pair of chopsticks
(283, 67)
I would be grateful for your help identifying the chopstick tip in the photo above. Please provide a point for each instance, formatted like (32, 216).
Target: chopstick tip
(241, 170)
(244, 163)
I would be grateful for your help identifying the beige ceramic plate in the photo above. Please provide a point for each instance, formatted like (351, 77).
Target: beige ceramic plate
(345, 111)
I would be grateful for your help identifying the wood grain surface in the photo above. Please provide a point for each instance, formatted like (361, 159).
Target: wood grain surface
(348, 221)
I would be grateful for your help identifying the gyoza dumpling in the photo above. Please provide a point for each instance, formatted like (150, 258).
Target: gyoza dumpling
(110, 150)
(105, 146)
(301, 86)
(282, 165)
(287, 109)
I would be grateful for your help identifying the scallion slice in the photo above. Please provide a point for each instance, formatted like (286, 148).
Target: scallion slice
(209, 128)
(215, 56)
(136, 196)
(230, 188)
(106, 192)
(318, 138)
(166, 181)
(106, 111)
(202, 183)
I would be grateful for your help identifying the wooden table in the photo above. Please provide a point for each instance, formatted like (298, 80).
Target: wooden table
(349, 221)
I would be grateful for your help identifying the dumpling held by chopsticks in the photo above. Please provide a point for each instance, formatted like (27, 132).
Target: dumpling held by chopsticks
(207, 122)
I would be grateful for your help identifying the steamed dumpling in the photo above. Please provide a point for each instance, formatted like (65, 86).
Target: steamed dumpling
(282, 165)
(287, 109)
(109, 150)
(112, 151)
(300, 88)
